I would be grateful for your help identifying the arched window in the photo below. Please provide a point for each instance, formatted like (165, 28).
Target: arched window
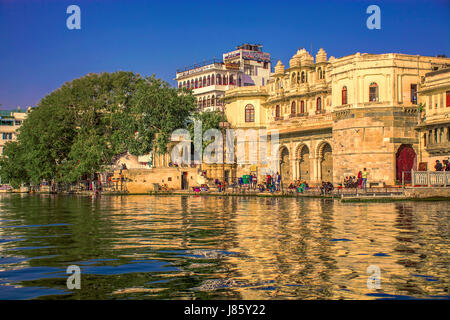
(240, 81)
(208, 104)
(213, 100)
(219, 79)
(303, 77)
(225, 80)
(319, 104)
(293, 108)
(231, 80)
(196, 83)
(373, 92)
(249, 113)
(212, 80)
(298, 77)
(192, 83)
(293, 79)
(204, 102)
(319, 72)
(277, 111)
(208, 81)
(344, 95)
(302, 106)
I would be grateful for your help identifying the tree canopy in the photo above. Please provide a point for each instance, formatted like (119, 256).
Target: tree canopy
(80, 127)
(209, 119)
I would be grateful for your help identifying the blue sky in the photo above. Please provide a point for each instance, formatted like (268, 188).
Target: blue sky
(38, 53)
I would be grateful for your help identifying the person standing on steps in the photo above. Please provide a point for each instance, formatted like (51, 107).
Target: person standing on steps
(364, 179)
(359, 184)
(278, 181)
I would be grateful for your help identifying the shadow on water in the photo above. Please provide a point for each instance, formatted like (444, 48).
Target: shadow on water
(148, 247)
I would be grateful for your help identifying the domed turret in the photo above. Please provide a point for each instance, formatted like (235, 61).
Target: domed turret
(295, 60)
(306, 58)
(279, 68)
(321, 56)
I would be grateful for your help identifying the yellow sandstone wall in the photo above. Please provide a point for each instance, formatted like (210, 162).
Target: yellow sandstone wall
(142, 180)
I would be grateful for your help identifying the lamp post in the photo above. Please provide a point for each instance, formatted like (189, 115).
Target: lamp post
(223, 140)
(223, 125)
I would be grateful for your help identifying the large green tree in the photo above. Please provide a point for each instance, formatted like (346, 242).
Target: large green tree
(159, 110)
(80, 127)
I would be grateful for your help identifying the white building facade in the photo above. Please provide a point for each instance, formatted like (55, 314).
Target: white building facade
(246, 66)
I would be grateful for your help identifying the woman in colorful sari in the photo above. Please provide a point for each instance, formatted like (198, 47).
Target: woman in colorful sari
(360, 181)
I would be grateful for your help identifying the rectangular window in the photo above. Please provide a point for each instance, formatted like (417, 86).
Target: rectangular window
(7, 136)
(414, 93)
(373, 93)
(344, 96)
(7, 122)
(277, 111)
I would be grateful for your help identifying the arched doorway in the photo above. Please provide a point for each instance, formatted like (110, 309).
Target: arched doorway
(304, 164)
(405, 162)
(284, 165)
(326, 163)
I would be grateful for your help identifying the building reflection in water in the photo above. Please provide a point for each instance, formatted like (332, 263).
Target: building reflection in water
(232, 247)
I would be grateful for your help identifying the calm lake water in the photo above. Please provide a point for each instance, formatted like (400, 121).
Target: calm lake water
(204, 247)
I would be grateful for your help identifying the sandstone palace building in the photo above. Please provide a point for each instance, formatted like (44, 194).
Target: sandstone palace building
(335, 116)
(389, 113)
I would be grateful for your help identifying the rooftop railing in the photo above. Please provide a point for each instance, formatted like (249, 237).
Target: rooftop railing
(199, 65)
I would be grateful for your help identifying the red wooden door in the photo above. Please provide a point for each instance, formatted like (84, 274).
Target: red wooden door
(406, 161)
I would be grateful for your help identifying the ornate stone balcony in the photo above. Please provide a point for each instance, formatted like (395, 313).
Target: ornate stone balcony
(296, 115)
(302, 122)
(438, 148)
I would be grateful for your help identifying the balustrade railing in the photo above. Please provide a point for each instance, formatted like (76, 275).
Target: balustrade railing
(430, 178)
